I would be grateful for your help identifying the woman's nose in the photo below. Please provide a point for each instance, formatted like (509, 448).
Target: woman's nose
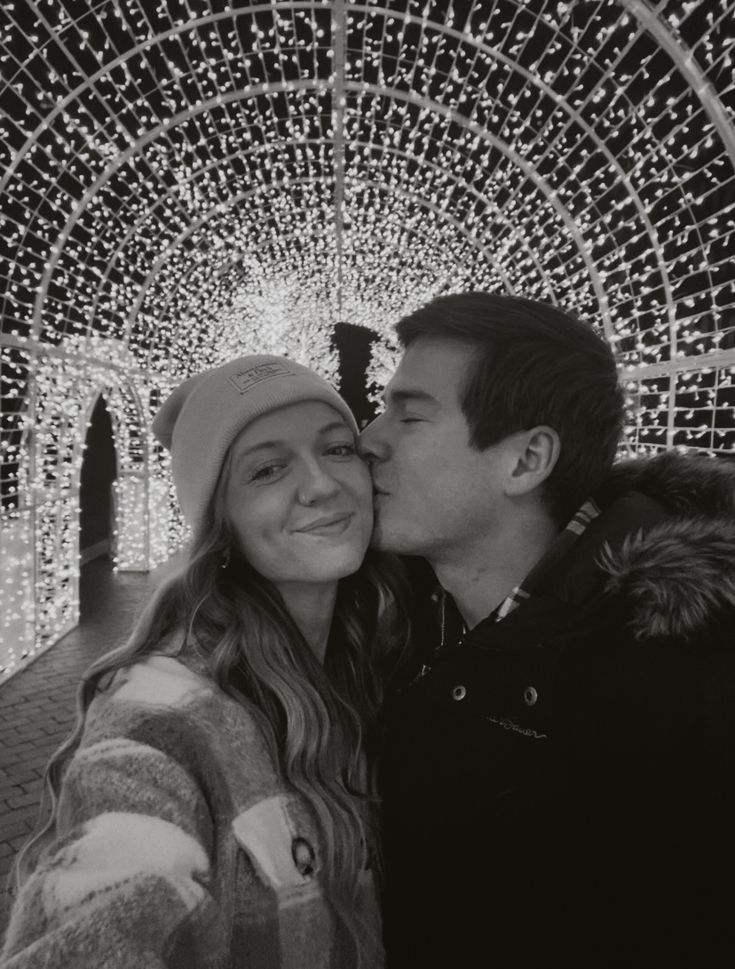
(317, 484)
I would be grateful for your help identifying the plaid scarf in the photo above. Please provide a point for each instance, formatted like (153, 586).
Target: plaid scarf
(452, 627)
(538, 576)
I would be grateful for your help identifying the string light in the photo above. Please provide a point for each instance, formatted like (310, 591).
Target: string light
(182, 183)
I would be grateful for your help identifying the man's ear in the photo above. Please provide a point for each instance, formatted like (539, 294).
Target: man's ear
(536, 453)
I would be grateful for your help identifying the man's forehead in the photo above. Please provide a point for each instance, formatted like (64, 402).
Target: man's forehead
(430, 369)
(410, 381)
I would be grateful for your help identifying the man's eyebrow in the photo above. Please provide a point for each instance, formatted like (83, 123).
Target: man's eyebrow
(407, 395)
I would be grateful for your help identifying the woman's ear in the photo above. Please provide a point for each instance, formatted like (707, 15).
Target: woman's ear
(536, 453)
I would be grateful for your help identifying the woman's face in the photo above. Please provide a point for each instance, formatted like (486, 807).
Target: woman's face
(298, 496)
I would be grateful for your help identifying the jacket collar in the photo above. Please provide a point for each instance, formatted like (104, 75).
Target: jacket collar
(574, 584)
(663, 548)
(678, 575)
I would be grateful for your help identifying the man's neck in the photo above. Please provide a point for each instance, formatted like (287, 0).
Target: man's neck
(480, 576)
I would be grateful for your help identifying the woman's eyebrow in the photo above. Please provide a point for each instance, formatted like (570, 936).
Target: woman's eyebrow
(280, 442)
(260, 446)
(334, 426)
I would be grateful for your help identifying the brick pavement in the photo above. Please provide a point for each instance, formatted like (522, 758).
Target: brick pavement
(37, 705)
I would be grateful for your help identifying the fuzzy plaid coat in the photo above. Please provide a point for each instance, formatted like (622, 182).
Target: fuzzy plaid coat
(178, 844)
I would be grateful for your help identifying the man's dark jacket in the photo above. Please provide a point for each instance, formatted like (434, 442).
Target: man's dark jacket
(559, 786)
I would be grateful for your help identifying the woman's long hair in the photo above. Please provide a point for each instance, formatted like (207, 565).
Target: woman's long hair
(319, 720)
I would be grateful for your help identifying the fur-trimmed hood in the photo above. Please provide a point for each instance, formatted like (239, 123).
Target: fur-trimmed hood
(679, 574)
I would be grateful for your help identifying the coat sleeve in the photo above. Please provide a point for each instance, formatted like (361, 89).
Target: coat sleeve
(125, 882)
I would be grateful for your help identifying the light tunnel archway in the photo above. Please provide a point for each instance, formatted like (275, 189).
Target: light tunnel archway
(185, 181)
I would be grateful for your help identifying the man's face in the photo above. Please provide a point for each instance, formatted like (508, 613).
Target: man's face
(435, 495)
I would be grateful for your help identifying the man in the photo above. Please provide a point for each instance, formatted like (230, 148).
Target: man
(557, 778)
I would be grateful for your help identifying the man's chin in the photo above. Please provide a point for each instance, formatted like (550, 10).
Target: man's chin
(384, 540)
(377, 541)
(379, 537)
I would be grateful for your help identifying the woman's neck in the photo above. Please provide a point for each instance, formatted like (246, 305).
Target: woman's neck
(311, 606)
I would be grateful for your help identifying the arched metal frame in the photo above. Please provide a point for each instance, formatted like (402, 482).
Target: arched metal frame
(203, 178)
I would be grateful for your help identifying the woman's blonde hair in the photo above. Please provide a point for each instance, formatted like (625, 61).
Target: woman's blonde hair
(319, 720)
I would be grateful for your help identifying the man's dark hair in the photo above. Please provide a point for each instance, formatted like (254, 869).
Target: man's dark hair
(535, 364)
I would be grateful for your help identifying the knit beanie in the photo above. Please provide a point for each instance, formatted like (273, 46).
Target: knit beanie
(201, 418)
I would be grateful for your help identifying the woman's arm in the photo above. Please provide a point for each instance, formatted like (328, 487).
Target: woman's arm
(125, 882)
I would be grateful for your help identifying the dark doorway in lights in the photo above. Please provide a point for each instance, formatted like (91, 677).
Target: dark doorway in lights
(354, 345)
(99, 469)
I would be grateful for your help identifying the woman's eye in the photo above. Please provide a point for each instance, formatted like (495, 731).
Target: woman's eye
(341, 450)
(266, 472)
(410, 420)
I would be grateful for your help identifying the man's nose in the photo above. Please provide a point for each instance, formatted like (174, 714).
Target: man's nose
(372, 443)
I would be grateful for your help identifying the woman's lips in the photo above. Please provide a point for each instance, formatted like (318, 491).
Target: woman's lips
(328, 524)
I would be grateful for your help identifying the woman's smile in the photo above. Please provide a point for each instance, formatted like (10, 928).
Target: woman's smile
(328, 524)
(299, 496)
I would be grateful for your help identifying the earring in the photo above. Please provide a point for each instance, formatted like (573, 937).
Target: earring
(225, 558)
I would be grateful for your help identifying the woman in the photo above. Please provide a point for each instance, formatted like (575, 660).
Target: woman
(216, 811)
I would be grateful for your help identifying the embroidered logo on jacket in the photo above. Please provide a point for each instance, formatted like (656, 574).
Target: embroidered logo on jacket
(517, 728)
